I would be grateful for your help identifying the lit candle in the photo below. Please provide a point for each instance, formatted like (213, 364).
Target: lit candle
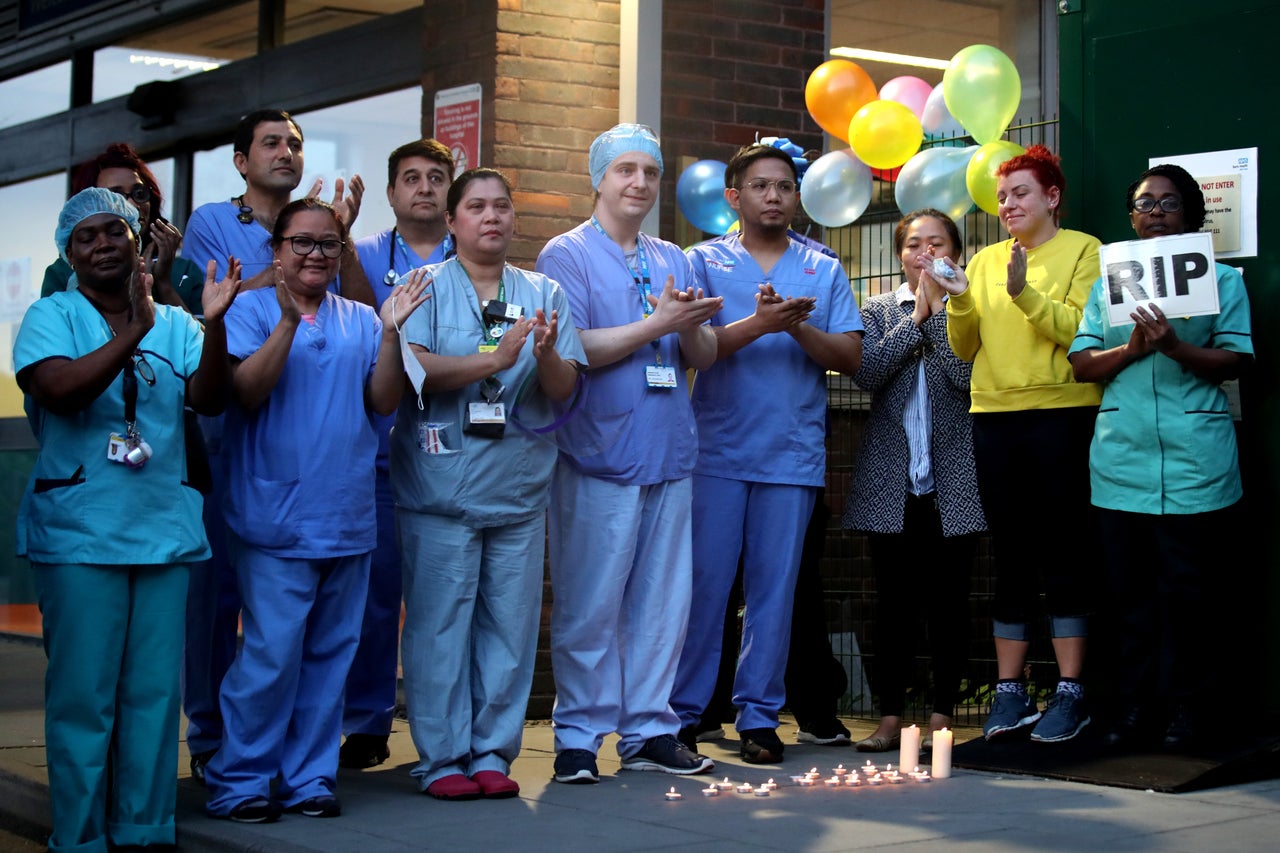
(806, 781)
(874, 779)
(762, 791)
(869, 768)
(921, 776)
(852, 780)
(673, 795)
(909, 751)
(771, 784)
(839, 770)
(745, 788)
(942, 754)
(796, 779)
(833, 782)
(726, 785)
(711, 791)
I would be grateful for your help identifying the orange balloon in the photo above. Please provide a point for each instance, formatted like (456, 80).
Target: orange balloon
(835, 91)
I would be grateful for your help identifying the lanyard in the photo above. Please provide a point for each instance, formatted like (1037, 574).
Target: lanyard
(490, 338)
(641, 279)
(397, 241)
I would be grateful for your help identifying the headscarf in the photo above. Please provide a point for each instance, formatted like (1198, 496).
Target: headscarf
(88, 203)
(617, 141)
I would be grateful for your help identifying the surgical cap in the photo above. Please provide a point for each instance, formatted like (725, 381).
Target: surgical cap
(617, 141)
(88, 203)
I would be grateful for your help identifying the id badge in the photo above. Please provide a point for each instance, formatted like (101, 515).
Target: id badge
(660, 376)
(117, 448)
(487, 420)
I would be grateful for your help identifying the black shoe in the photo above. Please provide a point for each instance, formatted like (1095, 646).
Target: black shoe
(760, 746)
(198, 762)
(255, 810)
(1129, 731)
(688, 736)
(325, 805)
(1181, 733)
(827, 732)
(360, 752)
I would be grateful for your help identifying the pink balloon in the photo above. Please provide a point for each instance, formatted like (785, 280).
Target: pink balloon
(911, 92)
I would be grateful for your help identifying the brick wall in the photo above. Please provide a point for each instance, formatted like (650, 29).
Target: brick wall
(732, 69)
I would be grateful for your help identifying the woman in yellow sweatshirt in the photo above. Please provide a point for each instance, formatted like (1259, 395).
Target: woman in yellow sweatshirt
(1014, 317)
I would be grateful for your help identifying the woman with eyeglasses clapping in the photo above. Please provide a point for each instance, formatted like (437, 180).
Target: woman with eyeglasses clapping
(307, 365)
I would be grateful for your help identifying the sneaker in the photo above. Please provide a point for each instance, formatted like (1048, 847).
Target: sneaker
(1063, 719)
(1009, 713)
(760, 746)
(360, 751)
(688, 735)
(828, 732)
(668, 754)
(255, 810)
(325, 805)
(198, 762)
(576, 767)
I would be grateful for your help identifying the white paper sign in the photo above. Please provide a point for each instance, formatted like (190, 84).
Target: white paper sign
(1176, 273)
(1229, 180)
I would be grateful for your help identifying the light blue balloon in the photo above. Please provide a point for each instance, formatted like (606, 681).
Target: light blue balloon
(700, 195)
(836, 189)
(936, 178)
(938, 122)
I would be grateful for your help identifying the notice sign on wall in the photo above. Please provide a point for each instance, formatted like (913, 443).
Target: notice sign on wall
(457, 124)
(1229, 181)
(1176, 273)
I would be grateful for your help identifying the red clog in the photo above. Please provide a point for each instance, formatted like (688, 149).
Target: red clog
(455, 787)
(495, 785)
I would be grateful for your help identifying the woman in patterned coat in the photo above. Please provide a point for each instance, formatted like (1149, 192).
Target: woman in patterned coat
(914, 490)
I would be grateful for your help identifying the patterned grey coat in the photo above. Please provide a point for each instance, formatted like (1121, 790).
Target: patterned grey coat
(892, 347)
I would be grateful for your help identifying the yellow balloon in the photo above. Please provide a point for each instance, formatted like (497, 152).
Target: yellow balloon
(982, 90)
(885, 134)
(980, 176)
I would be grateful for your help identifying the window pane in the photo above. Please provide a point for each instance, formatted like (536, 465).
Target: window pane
(35, 95)
(119, 70)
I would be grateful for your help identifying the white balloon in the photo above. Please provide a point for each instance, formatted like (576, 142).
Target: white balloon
(937, 120)
(836, 189)
(936, 178)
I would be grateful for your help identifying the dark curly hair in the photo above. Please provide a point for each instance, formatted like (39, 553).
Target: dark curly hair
(1187, 187)
(118, 155)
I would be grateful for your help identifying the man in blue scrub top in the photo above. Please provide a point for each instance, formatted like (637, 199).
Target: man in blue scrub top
(418, 177)
(619, 526)
(789, 317)
(268, 155)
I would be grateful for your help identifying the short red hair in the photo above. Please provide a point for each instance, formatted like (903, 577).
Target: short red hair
(1039, 161)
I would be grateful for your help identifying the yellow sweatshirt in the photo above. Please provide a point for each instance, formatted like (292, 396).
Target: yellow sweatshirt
(1019, 346)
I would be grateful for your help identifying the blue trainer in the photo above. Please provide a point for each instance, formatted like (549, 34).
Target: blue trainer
(1063, 719)
(1010, 712)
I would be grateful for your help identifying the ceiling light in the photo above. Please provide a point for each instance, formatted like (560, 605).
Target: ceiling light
(173, 62)
(894, 58)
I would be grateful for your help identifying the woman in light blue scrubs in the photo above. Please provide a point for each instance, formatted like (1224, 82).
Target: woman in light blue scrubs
(110, 522)
(308, 367)
(471, 478)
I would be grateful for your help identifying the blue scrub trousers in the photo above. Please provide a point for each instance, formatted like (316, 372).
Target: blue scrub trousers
(371, 686)
(473, 599)
(764, 523)
(213, 623)
(282, 698)
(621, 576)
(113, 636)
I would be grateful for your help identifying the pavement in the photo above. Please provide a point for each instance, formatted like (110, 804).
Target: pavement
(382, 811)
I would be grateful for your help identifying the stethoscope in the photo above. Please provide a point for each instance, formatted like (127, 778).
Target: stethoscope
(397, 240)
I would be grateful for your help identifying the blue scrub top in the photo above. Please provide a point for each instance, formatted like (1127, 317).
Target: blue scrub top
(80, 507)
(485, 482)
(301, 466)
(375, 254)
(762, 411)
(624, 431)
(1164, 442)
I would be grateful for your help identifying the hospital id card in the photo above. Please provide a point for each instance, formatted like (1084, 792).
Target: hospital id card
(117, 448)
(660, 376)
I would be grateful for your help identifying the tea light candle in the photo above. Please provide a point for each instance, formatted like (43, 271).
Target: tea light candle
(839, 770)
(726, 785)
(807, 781)
(874, 779)
(852, 780)
(673, 795)
(942, 740)
(711, 791)
(745, 788)
(813, 771)
(796, 779)
(762, 791)
(833, 782)
(895, 778)
(909, 751)
(921, 776)
(870, 768)
(771, 784)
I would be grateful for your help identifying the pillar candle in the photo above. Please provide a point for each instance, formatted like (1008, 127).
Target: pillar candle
(909, 751)
(942, 754)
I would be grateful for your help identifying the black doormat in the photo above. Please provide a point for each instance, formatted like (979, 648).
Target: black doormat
(1085, 759)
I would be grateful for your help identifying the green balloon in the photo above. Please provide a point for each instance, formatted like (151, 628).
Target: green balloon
(980, 175)
(982, 90)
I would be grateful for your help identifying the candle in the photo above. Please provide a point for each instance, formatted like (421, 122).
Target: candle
(839, 770)
(869, 768)
(942, 754)
(909, 751)
(762, 791)
(796, 779)
(921, 776)
(726, 785)
(806, 781)
(874, 779)
(852, 780)
(771, 784)
(745, 788)
(813, 771)
(833, 782)
(673, 795)
(711, 791)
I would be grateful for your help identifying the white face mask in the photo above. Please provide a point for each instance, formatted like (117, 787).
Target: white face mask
(412, 367)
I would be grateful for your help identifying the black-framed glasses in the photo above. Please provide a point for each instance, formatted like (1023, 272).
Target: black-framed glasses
(1169, 204)
(138, 192)
(760, 186)
(306, 245)
(143, 367)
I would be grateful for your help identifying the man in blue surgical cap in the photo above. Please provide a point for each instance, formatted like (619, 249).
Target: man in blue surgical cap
(620, 530)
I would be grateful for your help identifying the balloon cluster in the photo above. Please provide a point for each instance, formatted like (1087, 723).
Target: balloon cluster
(886, 129)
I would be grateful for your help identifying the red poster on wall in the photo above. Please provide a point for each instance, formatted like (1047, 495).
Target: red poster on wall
(457, 124)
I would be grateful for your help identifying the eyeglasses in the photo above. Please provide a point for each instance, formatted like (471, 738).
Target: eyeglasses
(306, 245)
(138, 193)
(143, 367)
(760, 186)
(1169, 204)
